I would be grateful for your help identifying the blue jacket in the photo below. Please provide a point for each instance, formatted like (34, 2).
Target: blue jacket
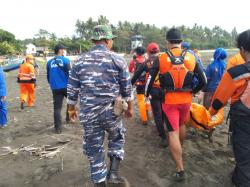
(215, 70)
(2, 83)
(214, 74)
(58, 72)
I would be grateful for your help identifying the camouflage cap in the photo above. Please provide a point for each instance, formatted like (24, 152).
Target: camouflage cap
(102, 32)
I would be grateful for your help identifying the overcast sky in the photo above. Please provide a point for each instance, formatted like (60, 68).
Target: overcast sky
(25, 17)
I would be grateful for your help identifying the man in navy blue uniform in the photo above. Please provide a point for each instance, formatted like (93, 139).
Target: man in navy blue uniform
(57, 75)
(98, 78)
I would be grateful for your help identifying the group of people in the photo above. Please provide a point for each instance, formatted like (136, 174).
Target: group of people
(168, 79)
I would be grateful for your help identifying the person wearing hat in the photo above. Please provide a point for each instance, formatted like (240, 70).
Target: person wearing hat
(195, 52)
(176, 68)
(27, 79)
(57, 75)
(140, 83)
(155, 93)
(98, 78)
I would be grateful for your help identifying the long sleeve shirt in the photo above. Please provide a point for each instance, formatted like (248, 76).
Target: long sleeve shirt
(98, 78)
(232, 85)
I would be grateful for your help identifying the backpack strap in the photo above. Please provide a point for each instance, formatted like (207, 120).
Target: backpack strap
(183, 53)
(176, 60)
(170, 54)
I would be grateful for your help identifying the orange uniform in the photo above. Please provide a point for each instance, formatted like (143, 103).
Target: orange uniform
(235, 60)
(232, 85)
(26, 78)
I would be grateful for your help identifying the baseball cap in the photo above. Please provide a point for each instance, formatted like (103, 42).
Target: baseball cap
(102, 32)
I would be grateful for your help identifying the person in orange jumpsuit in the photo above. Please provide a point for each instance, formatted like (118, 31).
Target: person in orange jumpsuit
(235, 86)
(140, 85)
(26, 78)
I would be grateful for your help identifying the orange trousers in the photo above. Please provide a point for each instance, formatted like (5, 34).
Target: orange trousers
(143, 107)
(27, 93)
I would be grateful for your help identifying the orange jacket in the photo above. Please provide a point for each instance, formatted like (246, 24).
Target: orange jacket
(232, 85)
(235, 60)
(26, 73)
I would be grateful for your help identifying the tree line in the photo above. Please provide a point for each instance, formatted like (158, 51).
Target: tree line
(198, 36)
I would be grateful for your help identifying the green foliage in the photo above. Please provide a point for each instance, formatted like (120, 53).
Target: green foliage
(84, 29)
(199, 37)
(6, 48)
(8, 43)
(6, 36)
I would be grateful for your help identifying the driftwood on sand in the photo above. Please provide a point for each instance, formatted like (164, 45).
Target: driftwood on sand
(43, 151)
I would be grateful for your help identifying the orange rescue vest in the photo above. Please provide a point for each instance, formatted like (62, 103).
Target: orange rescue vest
(176, 72)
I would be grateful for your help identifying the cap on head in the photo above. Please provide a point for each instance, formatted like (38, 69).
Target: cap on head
(174, 35)
(58, 47)
(140, 51)
(102, 32)
(29, 56)
(153, 48)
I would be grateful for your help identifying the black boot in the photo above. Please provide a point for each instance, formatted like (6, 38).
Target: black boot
(101, 184)
(113, 176)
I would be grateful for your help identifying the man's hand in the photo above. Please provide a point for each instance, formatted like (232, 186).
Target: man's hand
(129, 112)
(72, 113)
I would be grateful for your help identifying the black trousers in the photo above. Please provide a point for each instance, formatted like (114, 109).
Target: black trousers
(240, 126)
(159, 115)
(58, 96)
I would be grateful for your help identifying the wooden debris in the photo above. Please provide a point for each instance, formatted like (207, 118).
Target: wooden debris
(45, 151)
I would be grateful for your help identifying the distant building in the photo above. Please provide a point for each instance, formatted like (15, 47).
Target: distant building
(42, 51)
(30, 49)
(136, 41)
